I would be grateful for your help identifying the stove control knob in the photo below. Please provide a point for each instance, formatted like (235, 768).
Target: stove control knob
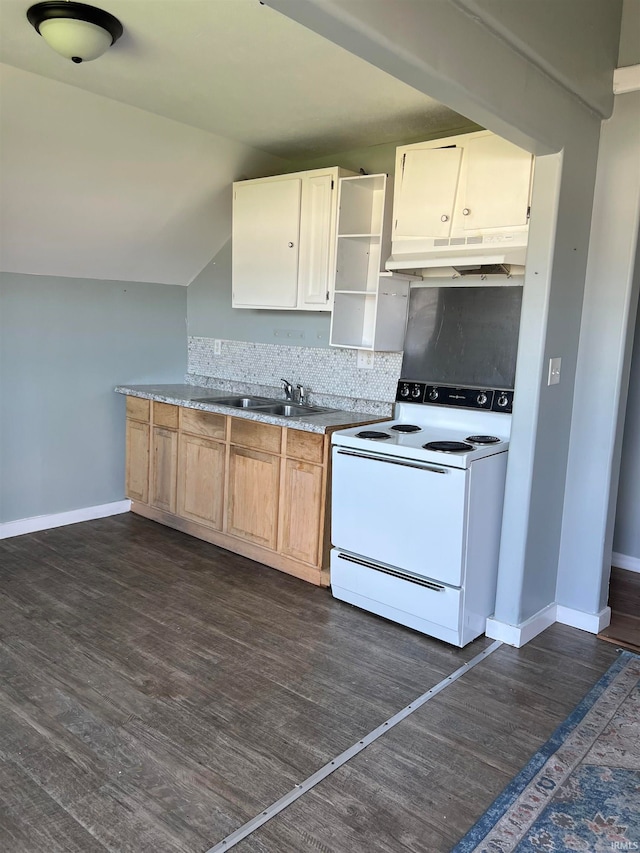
(404, 391)
(503, 400)
(433, 395)
(416, 391)
(481, 399)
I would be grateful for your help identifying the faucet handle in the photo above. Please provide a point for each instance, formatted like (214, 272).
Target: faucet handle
(288, 389)
(302, 393)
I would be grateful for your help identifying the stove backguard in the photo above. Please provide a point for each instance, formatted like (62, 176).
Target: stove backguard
(465, 336)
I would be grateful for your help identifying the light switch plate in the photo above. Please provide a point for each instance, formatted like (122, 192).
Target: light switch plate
(554, 371)
(217, 347)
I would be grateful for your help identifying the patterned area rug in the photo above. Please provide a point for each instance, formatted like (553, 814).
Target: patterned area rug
(581, 791)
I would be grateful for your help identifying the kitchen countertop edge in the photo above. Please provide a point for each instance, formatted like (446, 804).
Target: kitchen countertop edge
(187, 396)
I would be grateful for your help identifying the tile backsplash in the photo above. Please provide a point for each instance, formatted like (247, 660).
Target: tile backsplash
(331, 376)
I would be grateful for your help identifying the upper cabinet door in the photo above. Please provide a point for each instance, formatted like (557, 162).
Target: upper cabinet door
(496, 182)
(266, 231)
(424, 207)
(316, 243)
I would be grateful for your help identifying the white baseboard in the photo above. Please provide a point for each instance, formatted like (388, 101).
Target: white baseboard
(622, 561)
(592, 622)
(47, 522)
(518, 635)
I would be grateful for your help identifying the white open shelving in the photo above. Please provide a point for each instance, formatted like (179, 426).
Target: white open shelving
(369, 305)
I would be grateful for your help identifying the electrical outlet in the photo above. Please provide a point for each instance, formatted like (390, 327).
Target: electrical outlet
(365, 359)
(289, 334)
(554, 371)
(217, 347)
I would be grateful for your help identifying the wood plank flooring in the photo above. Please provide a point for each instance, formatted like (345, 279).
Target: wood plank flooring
(156, 692)
(624, 600)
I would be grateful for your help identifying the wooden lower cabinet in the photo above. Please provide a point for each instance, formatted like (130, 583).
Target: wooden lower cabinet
(302, 504)
(254, 486)
(258, 489)
(137, 461)
(201, 469)
(164, 468)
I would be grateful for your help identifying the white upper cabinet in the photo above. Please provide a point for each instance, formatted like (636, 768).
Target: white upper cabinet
(284, 240)
(427, 192)
(496, 185)
(469, 193)
(266, 245)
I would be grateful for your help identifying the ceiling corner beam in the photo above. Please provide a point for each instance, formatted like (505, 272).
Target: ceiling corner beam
(626, 79)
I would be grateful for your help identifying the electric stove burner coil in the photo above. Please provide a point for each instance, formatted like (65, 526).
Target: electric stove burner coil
(406, 428)
(448, 446)
(482, 439)
(371, 433)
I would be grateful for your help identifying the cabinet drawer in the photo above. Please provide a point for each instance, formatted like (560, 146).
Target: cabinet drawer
(138, 409)
(165, 415)
(427, 606)
(266, 437)
(198, 422)
(308, 446)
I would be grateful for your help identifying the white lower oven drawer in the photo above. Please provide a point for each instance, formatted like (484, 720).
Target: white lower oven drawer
(425, 606)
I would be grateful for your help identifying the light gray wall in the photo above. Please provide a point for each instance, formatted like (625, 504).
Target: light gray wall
(64, 345)
(626, 539)
(573, 41)
(608, 320)
(629, 51)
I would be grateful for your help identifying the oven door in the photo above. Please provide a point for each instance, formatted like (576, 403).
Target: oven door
(405, 513)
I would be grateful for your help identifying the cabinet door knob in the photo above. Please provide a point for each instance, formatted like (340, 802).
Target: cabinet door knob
(444, 218)
(290, 245)
(466, 211)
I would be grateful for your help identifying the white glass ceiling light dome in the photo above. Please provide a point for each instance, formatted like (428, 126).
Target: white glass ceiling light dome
(75, 30)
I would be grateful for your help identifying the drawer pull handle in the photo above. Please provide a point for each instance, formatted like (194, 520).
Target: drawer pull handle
(436, 587)
(393, 462)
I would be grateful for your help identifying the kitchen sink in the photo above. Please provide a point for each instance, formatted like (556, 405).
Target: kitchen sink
(293, 410)
(238, 402)
(267, 406)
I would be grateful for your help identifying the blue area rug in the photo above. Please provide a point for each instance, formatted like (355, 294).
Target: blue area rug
(581, 791)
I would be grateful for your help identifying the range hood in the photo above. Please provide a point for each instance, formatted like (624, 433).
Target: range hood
(461, 254)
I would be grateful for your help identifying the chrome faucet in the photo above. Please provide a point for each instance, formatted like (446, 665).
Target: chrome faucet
(288, 389)
(302, 394)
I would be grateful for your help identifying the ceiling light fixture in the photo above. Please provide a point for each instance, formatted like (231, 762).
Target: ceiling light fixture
(75, 30)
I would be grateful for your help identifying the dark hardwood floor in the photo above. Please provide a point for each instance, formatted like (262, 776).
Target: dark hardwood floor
(624, 600)
(157, 692)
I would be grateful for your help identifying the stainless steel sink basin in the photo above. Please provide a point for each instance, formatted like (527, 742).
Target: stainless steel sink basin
(293, 410)
(267, 405)
(238, 402)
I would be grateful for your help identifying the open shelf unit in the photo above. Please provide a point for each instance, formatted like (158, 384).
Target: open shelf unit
(369, 304)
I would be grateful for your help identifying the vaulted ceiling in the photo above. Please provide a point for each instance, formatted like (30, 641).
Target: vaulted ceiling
(238, 69)
(121, 168)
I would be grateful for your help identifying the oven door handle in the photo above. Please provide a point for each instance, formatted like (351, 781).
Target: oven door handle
(393, 461)
(386, 570)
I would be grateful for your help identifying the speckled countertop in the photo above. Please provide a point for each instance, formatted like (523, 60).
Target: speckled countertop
(191, 397)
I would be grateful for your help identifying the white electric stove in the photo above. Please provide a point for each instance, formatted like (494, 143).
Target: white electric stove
(417, 509)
